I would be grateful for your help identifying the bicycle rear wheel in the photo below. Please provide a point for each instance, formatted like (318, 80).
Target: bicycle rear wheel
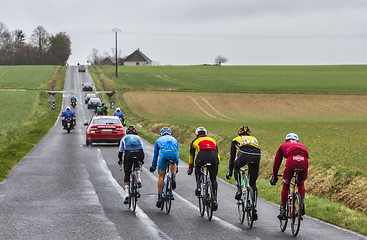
(283, 222)
(202, 199)
(241, 212)
(134, 194)
(168, 195)
(209, 200)
(250, 207)
(296, 214)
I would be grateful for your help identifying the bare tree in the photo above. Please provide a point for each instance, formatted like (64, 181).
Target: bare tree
(94, 58)
(5, 40)
(19, 38)
(220, 59)
(40, 39)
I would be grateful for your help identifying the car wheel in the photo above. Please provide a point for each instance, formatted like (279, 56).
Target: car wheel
(87, 143)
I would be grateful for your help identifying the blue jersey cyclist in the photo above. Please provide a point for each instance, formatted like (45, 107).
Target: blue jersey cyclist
(166, 147)
(120, 115)
(132, 146)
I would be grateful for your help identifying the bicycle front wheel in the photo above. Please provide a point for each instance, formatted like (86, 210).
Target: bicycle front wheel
(250, 207)
(241, 212)
(209, 200)
(296, 214)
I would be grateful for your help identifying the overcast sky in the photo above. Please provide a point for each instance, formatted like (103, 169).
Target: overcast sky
(187, 32)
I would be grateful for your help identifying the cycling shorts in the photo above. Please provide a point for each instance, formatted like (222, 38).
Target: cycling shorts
(163, 156)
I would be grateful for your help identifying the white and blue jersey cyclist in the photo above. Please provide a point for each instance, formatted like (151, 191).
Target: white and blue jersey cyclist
(131, 147)
(165, 148)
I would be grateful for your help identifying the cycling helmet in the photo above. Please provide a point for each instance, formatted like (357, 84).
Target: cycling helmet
(67, 108)
(165, 131)
(131, 130)
(118, 109)
(201, 131)
(291, 136)
(244, 130)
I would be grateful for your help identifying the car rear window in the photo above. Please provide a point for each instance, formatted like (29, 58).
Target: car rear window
(106, 121)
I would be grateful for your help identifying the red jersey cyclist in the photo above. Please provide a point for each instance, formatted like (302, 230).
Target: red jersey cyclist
(297, 157)
(207, 152)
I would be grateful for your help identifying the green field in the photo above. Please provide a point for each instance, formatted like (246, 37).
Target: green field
(244, 79)
(27, 115)
(325, 105)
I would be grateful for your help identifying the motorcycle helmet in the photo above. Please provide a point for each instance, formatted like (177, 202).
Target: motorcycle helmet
(201, 131)
(165, 131)
(67, 108)
(244, 130)
(292, 136)
(131, 130)
(118, 109)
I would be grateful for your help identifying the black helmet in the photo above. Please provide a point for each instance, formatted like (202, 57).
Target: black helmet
(131, 130)
(244, 130)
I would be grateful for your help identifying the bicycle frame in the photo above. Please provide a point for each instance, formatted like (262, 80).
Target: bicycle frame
(246, 205)
(293, 212)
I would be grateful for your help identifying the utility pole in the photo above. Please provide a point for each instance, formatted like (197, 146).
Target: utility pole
(116, 30)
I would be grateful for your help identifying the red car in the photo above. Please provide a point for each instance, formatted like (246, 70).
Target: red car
(104, 129)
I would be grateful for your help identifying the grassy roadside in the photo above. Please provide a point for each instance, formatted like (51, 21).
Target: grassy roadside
(18, 141)
(317, 207)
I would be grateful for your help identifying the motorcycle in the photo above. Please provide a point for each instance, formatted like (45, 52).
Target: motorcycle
(68, 124)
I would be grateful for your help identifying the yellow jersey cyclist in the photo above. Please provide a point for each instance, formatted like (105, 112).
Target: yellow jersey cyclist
(249, 153)
(207, 152)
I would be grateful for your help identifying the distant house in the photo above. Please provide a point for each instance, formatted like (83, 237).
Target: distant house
(137, 58)
(108, 61)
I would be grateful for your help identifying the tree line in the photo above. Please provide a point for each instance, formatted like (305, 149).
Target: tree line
(42, 48)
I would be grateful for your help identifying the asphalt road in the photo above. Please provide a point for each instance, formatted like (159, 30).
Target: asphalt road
(65, 190)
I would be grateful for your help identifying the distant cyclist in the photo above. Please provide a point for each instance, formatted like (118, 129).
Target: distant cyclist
(132, 146)
(166, 147)
(248, 154)
(207, 152)
(120, 116)
(297, 157)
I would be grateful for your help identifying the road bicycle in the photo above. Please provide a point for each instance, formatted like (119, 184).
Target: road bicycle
(246, 205)
(293, 207)
(206, 197)
(167, 189)
(133, 189)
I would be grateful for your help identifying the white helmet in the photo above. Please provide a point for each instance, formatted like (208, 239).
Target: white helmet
(118, 109)
(67, 108)
(201, 131)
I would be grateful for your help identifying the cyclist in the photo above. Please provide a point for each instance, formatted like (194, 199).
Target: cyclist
(120, 116)
(297, 157)
(249, 153)
(132, 146)
(207, 152)
(166, 147)
(104, 109)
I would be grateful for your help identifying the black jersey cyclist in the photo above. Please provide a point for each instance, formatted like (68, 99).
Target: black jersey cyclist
(249, 153)
(207, 152)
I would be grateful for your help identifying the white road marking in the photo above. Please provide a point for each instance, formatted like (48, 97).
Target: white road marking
(143, 217)
(217, 219)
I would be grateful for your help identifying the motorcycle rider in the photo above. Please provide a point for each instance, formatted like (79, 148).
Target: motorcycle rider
(120, 115)
(73, 100)
(68, 115)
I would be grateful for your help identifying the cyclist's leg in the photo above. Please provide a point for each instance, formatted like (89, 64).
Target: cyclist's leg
(254, 167)
(213, 171)
(239, 162)
(198, 164)
(127, 169)
(160, 185)
(301, 182)
(174, 167)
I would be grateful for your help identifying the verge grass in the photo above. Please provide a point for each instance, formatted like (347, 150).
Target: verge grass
(331, 126)
(31, 119)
